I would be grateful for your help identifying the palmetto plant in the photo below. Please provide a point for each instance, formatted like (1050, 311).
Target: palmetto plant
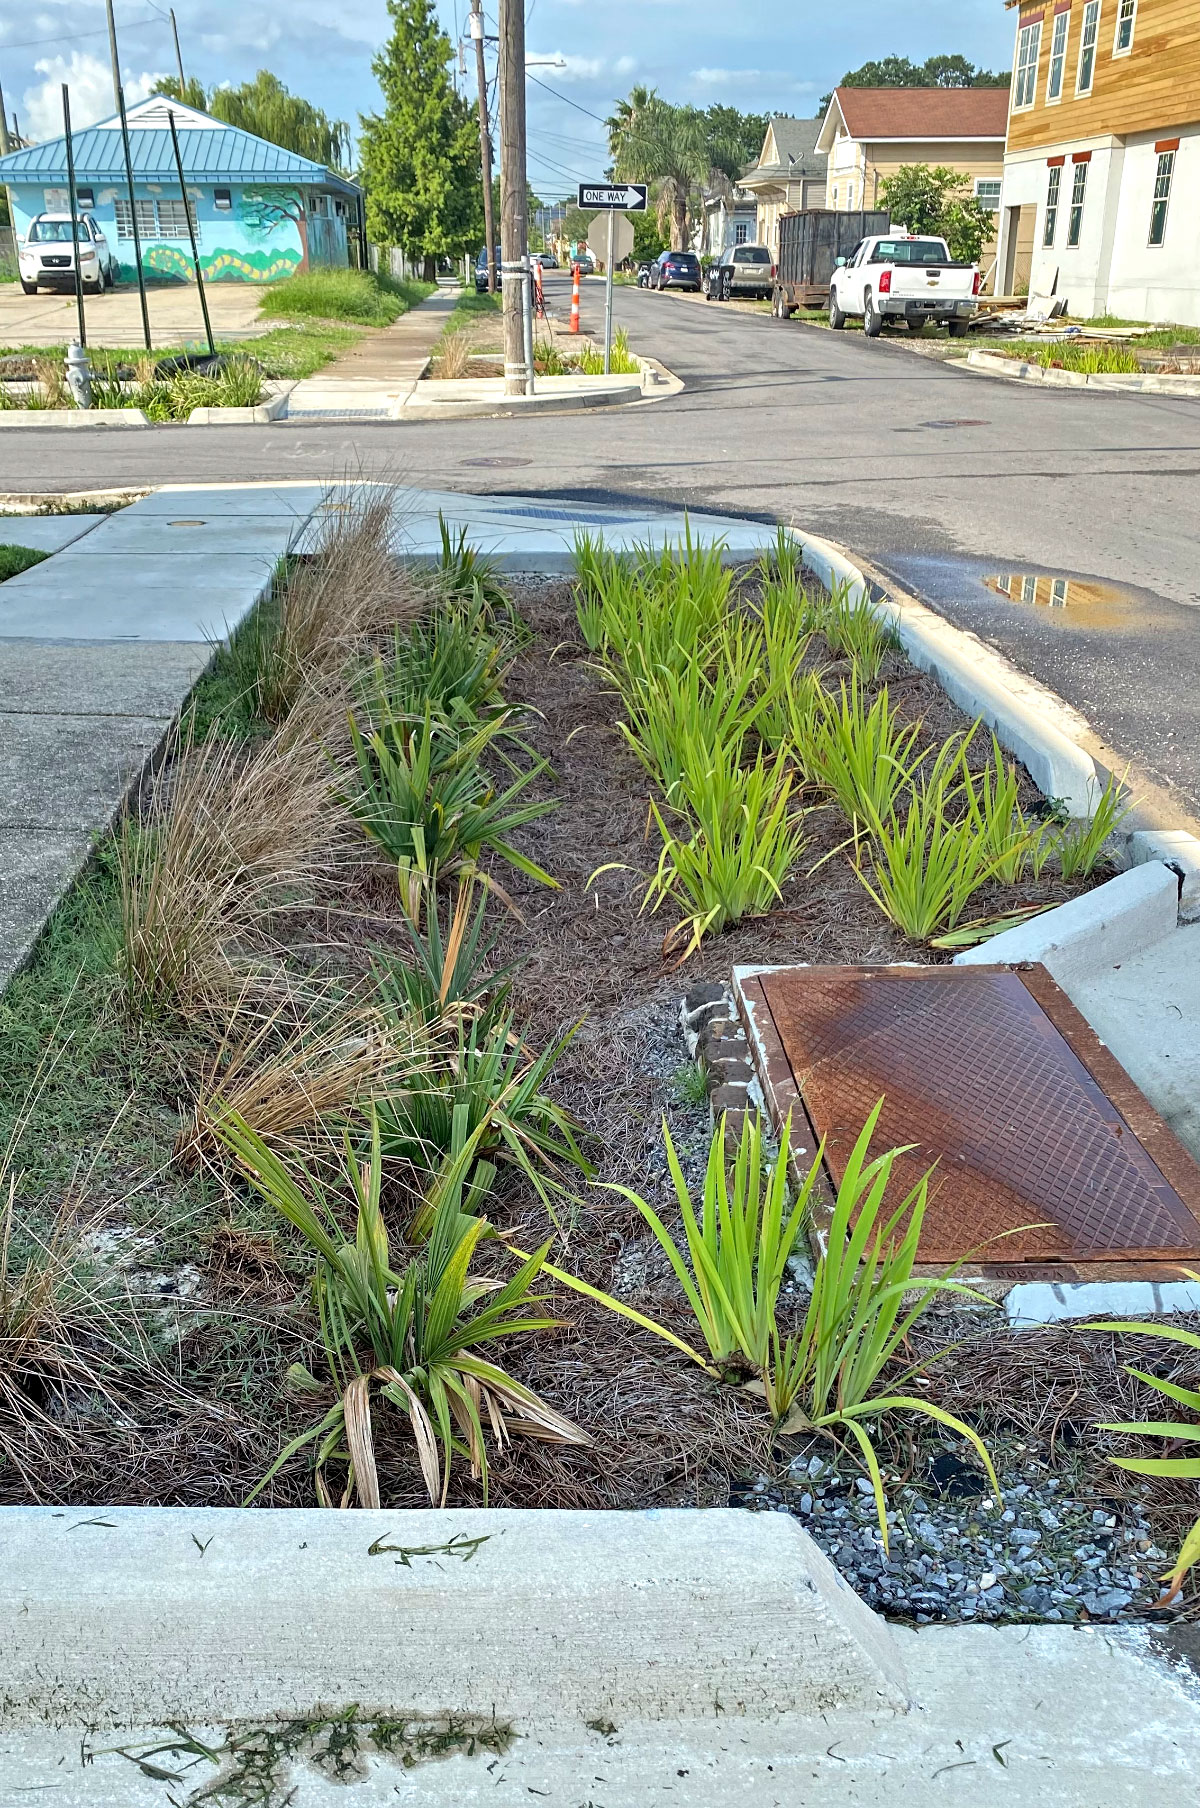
(1179, 1466)
(667, 146)
(424, 796)
(448, 663)
(410, 1336)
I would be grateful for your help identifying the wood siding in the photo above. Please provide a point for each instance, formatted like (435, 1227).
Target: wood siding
(1154, 85)
(883, 160)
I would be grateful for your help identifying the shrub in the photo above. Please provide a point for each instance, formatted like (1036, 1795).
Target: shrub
(409, 1334)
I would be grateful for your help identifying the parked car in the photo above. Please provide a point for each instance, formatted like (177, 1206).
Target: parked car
(547, 260)
(587, 263)
(904, 276)
(810, 243)
(46, 258)
(481, 269)
(676, 270)
(743, 272)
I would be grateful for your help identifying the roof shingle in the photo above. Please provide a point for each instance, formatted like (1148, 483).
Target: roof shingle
(875, 113)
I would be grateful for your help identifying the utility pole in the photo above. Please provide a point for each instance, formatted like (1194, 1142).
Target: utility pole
(5, 146)
(178, 52)
(113, 58)
(485, 144)
(514, 233)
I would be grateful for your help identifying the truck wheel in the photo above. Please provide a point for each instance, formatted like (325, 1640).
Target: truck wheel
(915, 326)
(959, 328)
(837, 319)
(872, 318)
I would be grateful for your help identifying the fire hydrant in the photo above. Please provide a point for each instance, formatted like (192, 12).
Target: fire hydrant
(79, 376)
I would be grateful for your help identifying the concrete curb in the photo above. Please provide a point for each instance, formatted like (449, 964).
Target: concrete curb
(1100, 929)
(73, 418)
(410, 410)
(273, 409)
(1179, 850)
(981, 687)
(550, 1617)
(1018, 371)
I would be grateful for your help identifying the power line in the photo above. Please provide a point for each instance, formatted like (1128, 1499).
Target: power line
(565, 98)
(70, 36)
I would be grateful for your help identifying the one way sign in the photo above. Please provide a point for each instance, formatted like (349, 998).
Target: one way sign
(624, 197)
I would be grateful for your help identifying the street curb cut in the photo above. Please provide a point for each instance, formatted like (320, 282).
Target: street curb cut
(1058, 767)
(212, 1615)
(1179, 850)
(1101, 928)
(273, 409)
(1112, 382)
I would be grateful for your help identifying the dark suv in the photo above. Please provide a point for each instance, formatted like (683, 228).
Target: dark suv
(481, 270)
(741, 271)
(676, 270)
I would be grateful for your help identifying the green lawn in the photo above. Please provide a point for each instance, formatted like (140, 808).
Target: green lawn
(285, 351)
(18, 558)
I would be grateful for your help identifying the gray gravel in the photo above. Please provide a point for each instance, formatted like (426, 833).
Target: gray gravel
(1037, 1553)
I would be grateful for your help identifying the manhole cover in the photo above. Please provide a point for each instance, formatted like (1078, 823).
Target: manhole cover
(186, 524)
(979, 1078)
(497, 464)
(962, 423)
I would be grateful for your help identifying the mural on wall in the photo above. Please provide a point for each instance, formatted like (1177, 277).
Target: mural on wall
(168, 262)
(264, 210)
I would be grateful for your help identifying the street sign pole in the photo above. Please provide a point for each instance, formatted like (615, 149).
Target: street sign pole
(608, 289)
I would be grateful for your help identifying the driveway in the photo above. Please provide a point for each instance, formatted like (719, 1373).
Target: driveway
(116, 318)
(940, 477)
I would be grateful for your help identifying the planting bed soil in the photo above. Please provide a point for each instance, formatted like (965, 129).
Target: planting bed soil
(197, 1297)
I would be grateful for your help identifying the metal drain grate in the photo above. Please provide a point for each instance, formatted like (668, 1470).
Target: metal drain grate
(978, 1077)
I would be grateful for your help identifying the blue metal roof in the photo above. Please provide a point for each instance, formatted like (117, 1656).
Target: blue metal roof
(219, 153)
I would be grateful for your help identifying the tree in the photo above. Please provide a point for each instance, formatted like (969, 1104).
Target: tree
(648, 240)
(265, 108)
(939, 201)
(668, 147)
(934, 72)
(420, 157)
(735, 139)
(190, 95)
(624, 116)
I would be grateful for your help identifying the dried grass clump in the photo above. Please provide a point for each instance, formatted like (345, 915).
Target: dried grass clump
(227, 842)
(454, 356)
(297, 1070)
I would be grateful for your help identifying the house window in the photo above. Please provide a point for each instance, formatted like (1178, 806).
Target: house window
(1029, 44)
(835, 195)
(1053, 191)
(987, 192)
(156, 218)
(1058, 56)
(1058, 593)
(850, 196)
(1087, 47)
(1126, 14)
(223, 200)
(741, 232)
(86, 197)
(1078, 189)
(1162, 194)
(1029, 590)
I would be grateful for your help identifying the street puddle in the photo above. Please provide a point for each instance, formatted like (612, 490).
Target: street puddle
(1071, 601)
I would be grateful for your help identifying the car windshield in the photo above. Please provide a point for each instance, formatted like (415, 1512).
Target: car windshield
(910, 251)
(752, 254)
(57, 232)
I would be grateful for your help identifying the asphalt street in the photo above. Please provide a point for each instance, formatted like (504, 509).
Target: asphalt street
(938, 476)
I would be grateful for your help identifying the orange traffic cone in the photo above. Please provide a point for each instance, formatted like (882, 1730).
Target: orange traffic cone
(574, 327)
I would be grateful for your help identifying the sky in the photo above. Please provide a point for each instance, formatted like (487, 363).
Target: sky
(760, 55)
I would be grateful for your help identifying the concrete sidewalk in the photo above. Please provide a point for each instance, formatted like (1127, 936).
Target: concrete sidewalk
(376, 375)
(116, 317)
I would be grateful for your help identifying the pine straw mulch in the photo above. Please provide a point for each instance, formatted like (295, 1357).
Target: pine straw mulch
(663, 1434)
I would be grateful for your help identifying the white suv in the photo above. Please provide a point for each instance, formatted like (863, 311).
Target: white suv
(46, 260)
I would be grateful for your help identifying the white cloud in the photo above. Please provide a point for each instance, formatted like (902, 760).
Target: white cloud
(749, 78)
(625, 65)
(90, 83)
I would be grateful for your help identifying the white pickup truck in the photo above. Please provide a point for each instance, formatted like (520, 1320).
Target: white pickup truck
(904, 276)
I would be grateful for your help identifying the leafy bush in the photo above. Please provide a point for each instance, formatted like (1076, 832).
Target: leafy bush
(366, 297)
(410, 1334)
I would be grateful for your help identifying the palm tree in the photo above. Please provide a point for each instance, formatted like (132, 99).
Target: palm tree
(624, 114)
(667, 146)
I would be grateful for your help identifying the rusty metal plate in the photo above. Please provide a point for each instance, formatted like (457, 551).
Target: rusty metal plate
(974, 1072)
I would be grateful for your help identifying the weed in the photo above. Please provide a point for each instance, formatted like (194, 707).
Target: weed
(453, 357)
(689, 1085)
(366, 297)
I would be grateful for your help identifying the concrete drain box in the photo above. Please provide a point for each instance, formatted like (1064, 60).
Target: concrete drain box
(1050, 1163)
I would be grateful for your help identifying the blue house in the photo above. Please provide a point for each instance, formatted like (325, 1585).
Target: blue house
(260, 213)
